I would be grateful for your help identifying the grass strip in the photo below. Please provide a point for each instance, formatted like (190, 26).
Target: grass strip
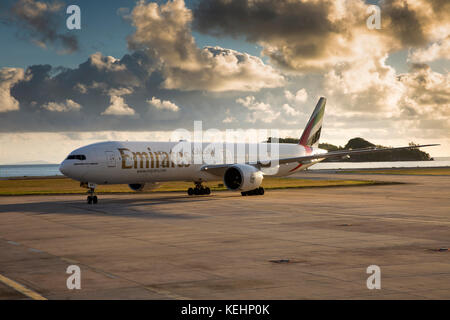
(54, 186)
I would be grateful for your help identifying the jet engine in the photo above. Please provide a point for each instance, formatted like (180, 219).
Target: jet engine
(143, 187)
(242, 177)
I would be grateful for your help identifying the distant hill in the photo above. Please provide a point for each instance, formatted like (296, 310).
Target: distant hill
(358, 143)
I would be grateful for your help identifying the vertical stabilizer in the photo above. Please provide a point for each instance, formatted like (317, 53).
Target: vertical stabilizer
(311, 134)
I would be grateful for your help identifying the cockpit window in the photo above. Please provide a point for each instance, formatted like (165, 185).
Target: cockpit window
(76, 157)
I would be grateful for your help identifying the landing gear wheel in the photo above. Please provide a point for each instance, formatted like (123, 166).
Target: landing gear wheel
(255, 192)
(199, 190)
(92, 198)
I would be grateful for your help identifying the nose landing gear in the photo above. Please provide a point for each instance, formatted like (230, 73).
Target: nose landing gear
(92, 198)
(198, 190)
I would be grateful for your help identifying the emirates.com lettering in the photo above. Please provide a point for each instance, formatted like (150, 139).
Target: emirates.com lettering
(232, 309)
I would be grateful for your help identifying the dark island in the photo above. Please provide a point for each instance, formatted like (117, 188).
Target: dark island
(359, 143)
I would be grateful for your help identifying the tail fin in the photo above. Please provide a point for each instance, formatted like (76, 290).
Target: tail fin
(311, 134)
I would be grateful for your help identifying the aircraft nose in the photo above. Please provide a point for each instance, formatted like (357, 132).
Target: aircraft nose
(63, 168)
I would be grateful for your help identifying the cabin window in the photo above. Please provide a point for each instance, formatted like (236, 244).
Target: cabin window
(76, 157)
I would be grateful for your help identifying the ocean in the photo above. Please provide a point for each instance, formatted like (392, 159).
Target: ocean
(45, 170)
(379, 165)
(32, 170)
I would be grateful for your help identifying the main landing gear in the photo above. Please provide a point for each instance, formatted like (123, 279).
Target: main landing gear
(255, 192)
(91, 198)
(198, 190)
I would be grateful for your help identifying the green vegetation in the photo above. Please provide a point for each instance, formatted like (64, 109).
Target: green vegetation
(284, 140)
(406, 171)
(329, 147)
(359, 143)
(47, 186)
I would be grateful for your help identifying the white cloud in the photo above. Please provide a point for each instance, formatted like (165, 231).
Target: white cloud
(229, 118)
(81, 88)
(8, 78)
(371, 96)
(119, 91)
(300, 97)
(108, 63)
(68, 105)
(260, 111)
(437, 50)
(163, 105)
(364, 86)
(118, 106)
(289, 110)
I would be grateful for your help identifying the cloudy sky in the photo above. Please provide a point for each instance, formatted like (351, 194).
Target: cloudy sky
(138, 70)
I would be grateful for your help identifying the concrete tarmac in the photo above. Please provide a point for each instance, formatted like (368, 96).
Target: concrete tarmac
(313, 243)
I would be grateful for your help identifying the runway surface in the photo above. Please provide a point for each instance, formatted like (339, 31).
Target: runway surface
(225, 246)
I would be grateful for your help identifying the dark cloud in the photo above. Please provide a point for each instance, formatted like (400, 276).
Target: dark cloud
(89, 84)
(40, 22)
(264, 20)
(405, 23)
(44, 98)
(440, 7)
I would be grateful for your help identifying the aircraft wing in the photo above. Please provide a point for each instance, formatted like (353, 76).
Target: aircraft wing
(218, 169)
(343, 153)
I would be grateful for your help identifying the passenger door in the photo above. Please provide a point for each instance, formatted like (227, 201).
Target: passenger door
(110, 159)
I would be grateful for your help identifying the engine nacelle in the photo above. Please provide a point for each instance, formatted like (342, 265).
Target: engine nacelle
(242, 177)
(142, 187)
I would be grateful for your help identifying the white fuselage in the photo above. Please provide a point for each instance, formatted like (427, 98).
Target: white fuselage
(123, 162)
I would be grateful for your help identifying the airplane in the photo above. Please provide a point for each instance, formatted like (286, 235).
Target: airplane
(143, 164)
